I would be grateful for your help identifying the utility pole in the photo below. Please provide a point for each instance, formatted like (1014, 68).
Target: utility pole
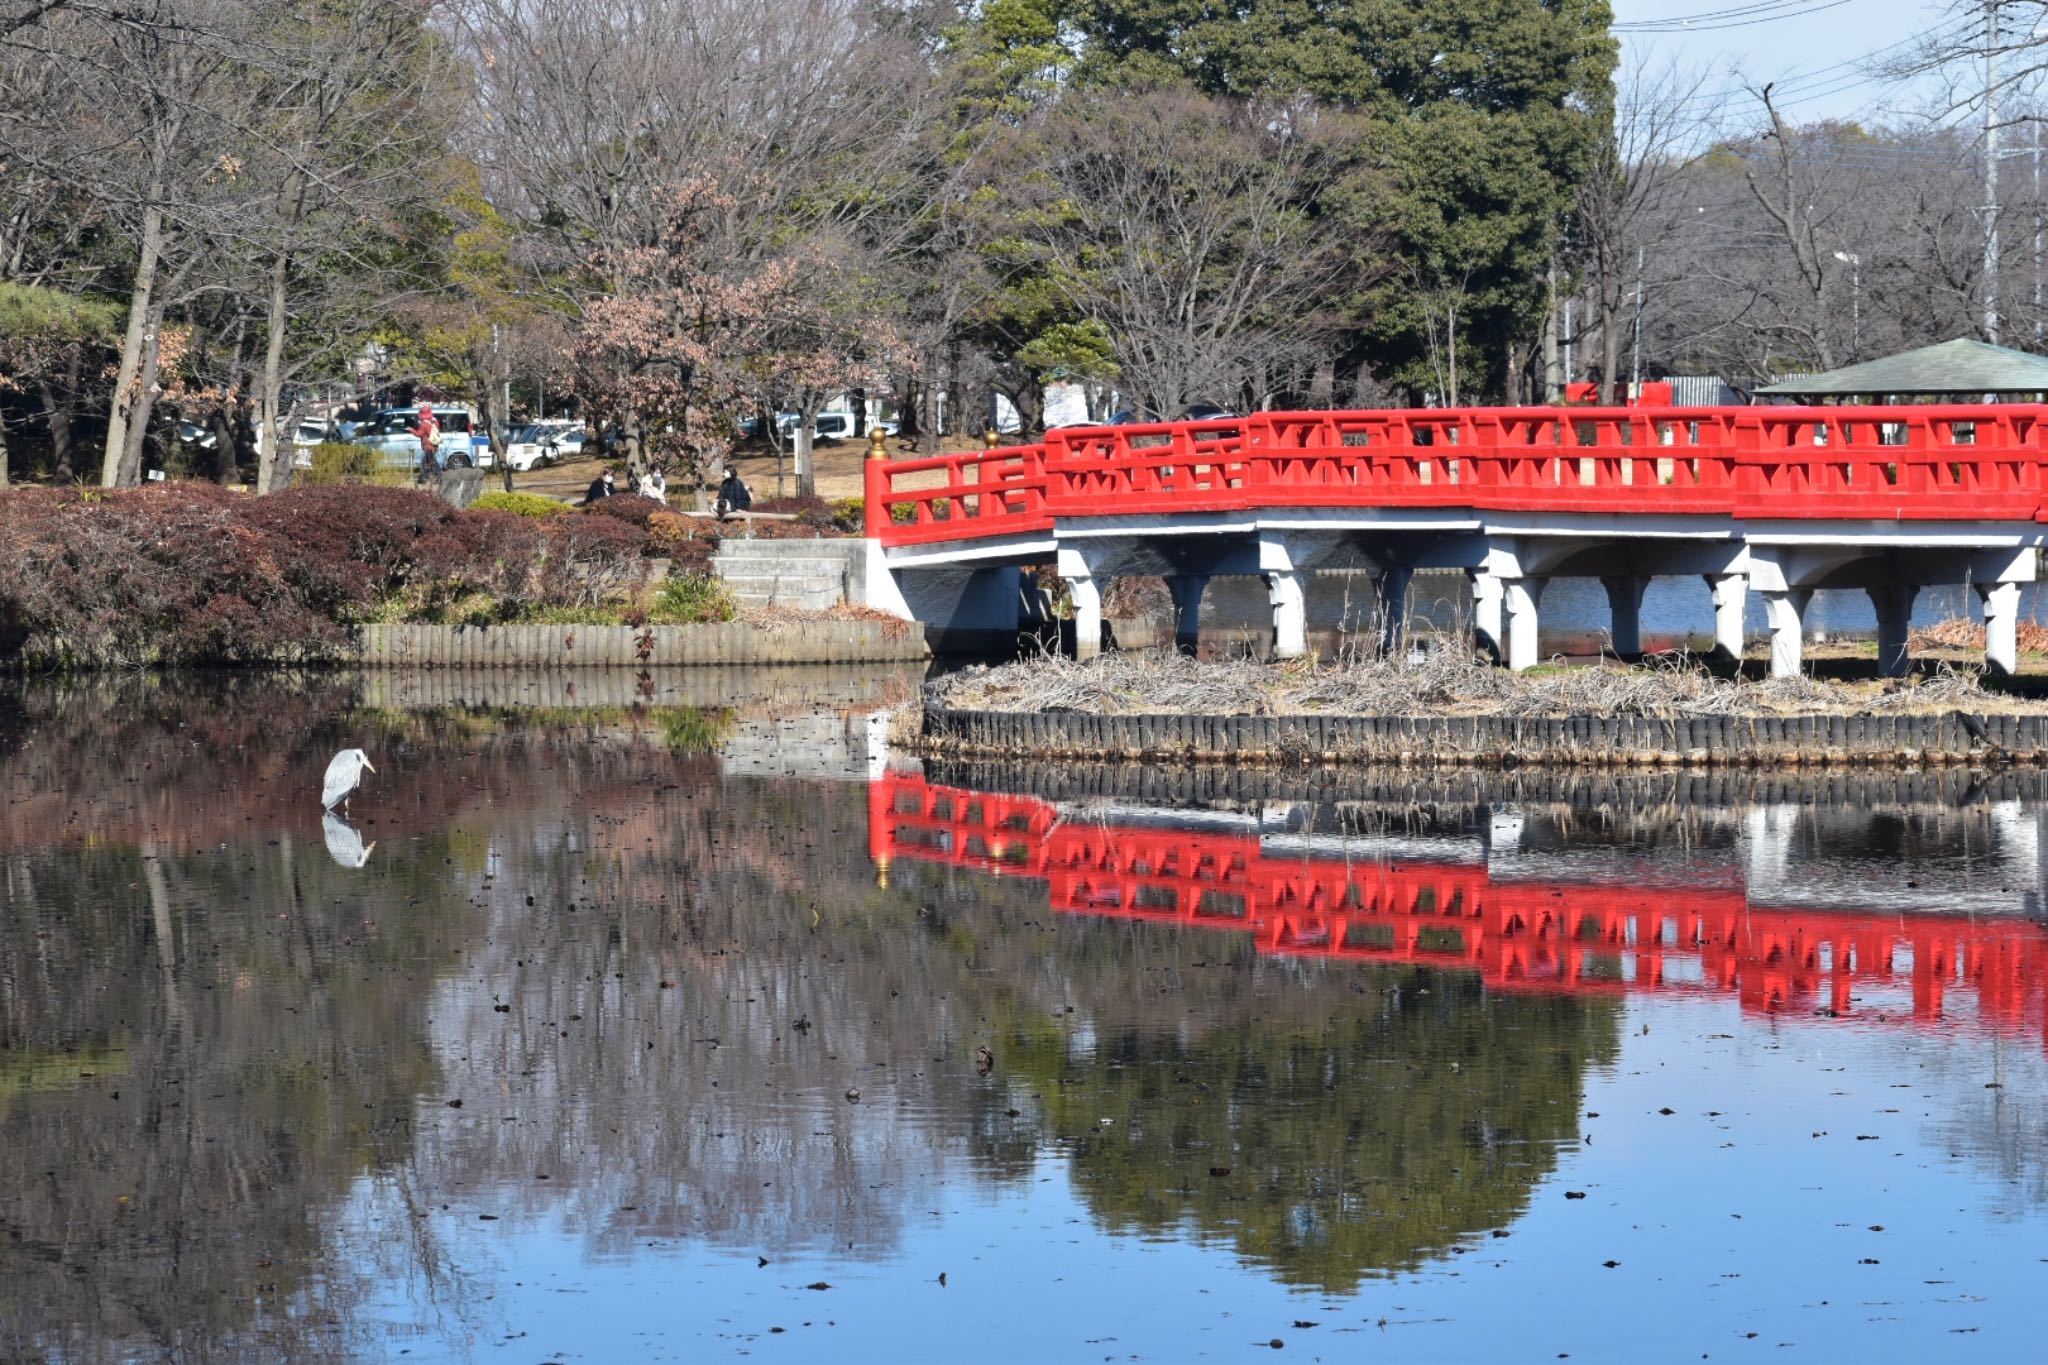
(1567, 342)
(2037, 227)
(1635, 361)
(1991, 171)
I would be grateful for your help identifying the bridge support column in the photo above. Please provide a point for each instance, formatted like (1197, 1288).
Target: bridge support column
(1187, 609)
(1731, 597)
(1086, 595)
(2001, 627)
(1290, 615)
(1284, 591)
(1786, 611)
(1625, 602)
(1523, 596)
(1894, 607)
(1488, 637)
(1394, 607)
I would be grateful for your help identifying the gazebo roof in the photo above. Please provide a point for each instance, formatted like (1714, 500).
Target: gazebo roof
(1950, 367)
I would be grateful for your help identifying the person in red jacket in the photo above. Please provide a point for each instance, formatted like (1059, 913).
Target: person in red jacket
(428, 430)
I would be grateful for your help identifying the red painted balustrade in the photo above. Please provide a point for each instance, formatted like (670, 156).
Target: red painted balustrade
(1519, 936)
(1951, 462)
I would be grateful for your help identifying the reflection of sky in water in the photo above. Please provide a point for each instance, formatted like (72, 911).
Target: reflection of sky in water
(603, 950)
(1748, 1209)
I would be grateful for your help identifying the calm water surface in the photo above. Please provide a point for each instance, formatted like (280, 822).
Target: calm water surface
(661, 1019)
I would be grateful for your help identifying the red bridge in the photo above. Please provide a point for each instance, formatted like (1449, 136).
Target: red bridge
(1780, 500)
(1519, 936)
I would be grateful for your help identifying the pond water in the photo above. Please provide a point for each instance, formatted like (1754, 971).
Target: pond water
(663, 1019)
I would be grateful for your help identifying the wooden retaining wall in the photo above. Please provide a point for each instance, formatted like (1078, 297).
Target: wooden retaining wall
(1445, 798)
(732, 642)
(1492, 741)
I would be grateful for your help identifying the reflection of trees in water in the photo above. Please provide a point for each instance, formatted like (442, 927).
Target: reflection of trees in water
(197, 1056)
(657, 1071)
(1364, 1119)
(1366, 1138)
(274, 1072)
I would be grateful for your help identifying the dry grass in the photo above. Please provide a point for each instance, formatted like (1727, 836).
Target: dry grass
(1957, 633)
(1440, 682)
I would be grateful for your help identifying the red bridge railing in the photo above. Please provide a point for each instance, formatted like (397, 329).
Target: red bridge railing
(1519, 936)
(1960, 462)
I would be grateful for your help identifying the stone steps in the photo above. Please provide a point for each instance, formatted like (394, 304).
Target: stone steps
(810, 574)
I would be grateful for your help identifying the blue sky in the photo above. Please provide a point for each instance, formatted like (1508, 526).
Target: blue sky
(1811, 48)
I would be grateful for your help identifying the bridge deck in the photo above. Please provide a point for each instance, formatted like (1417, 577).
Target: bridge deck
(1777, 500)
(1922, 463)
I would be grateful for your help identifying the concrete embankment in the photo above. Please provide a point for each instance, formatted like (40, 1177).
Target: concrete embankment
(828, 641)
(1952, 737)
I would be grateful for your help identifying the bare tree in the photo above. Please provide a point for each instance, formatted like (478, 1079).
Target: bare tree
(1188, 235)
(805, 118)
(1631, 202)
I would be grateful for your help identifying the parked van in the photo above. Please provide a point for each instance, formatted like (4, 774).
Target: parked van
(390, 434)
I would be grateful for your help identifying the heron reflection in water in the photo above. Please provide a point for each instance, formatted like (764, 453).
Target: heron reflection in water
(344, 845)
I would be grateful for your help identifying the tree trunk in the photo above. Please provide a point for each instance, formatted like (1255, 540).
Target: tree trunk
(129, 471)
(629, 438)
(227, 464)
(860, 412)
(806, 462)
(131, 399)
(1610, 349)
(57, 413)
(1553, 367)
(1322, 386)
(910, 410)
(3, 451)
(270, 387)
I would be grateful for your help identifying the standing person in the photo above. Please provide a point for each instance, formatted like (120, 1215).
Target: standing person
(733, 495)
(428, 429)
(600, 487)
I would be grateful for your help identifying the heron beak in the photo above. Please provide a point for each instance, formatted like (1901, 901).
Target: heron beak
(367, 767)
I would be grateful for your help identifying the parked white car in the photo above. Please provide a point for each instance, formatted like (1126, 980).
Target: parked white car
(543, 443)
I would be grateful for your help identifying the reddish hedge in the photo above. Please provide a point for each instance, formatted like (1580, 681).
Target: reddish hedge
(189, 573)
(630, 508)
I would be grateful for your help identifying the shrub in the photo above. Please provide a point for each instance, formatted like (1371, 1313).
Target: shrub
(191, 573)
(693, 600)
(839, 517)
(337, 462)
(174, 573)
(520, 504)
(588, 559)
(850, 514)
(357, 544)
(630, 508)
(687, 542)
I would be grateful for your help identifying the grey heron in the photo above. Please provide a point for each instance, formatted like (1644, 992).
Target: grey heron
(344, 771)
(344, 845)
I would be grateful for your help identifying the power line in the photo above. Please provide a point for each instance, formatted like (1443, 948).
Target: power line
(1747, 16)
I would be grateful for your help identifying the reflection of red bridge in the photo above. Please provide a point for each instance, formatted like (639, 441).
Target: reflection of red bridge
(1525, 936)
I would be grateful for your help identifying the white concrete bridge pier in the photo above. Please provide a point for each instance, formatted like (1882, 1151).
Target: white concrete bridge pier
(1892, 563)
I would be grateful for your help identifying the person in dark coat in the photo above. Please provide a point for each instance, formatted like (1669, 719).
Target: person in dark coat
(733, 495)
(600, 487)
